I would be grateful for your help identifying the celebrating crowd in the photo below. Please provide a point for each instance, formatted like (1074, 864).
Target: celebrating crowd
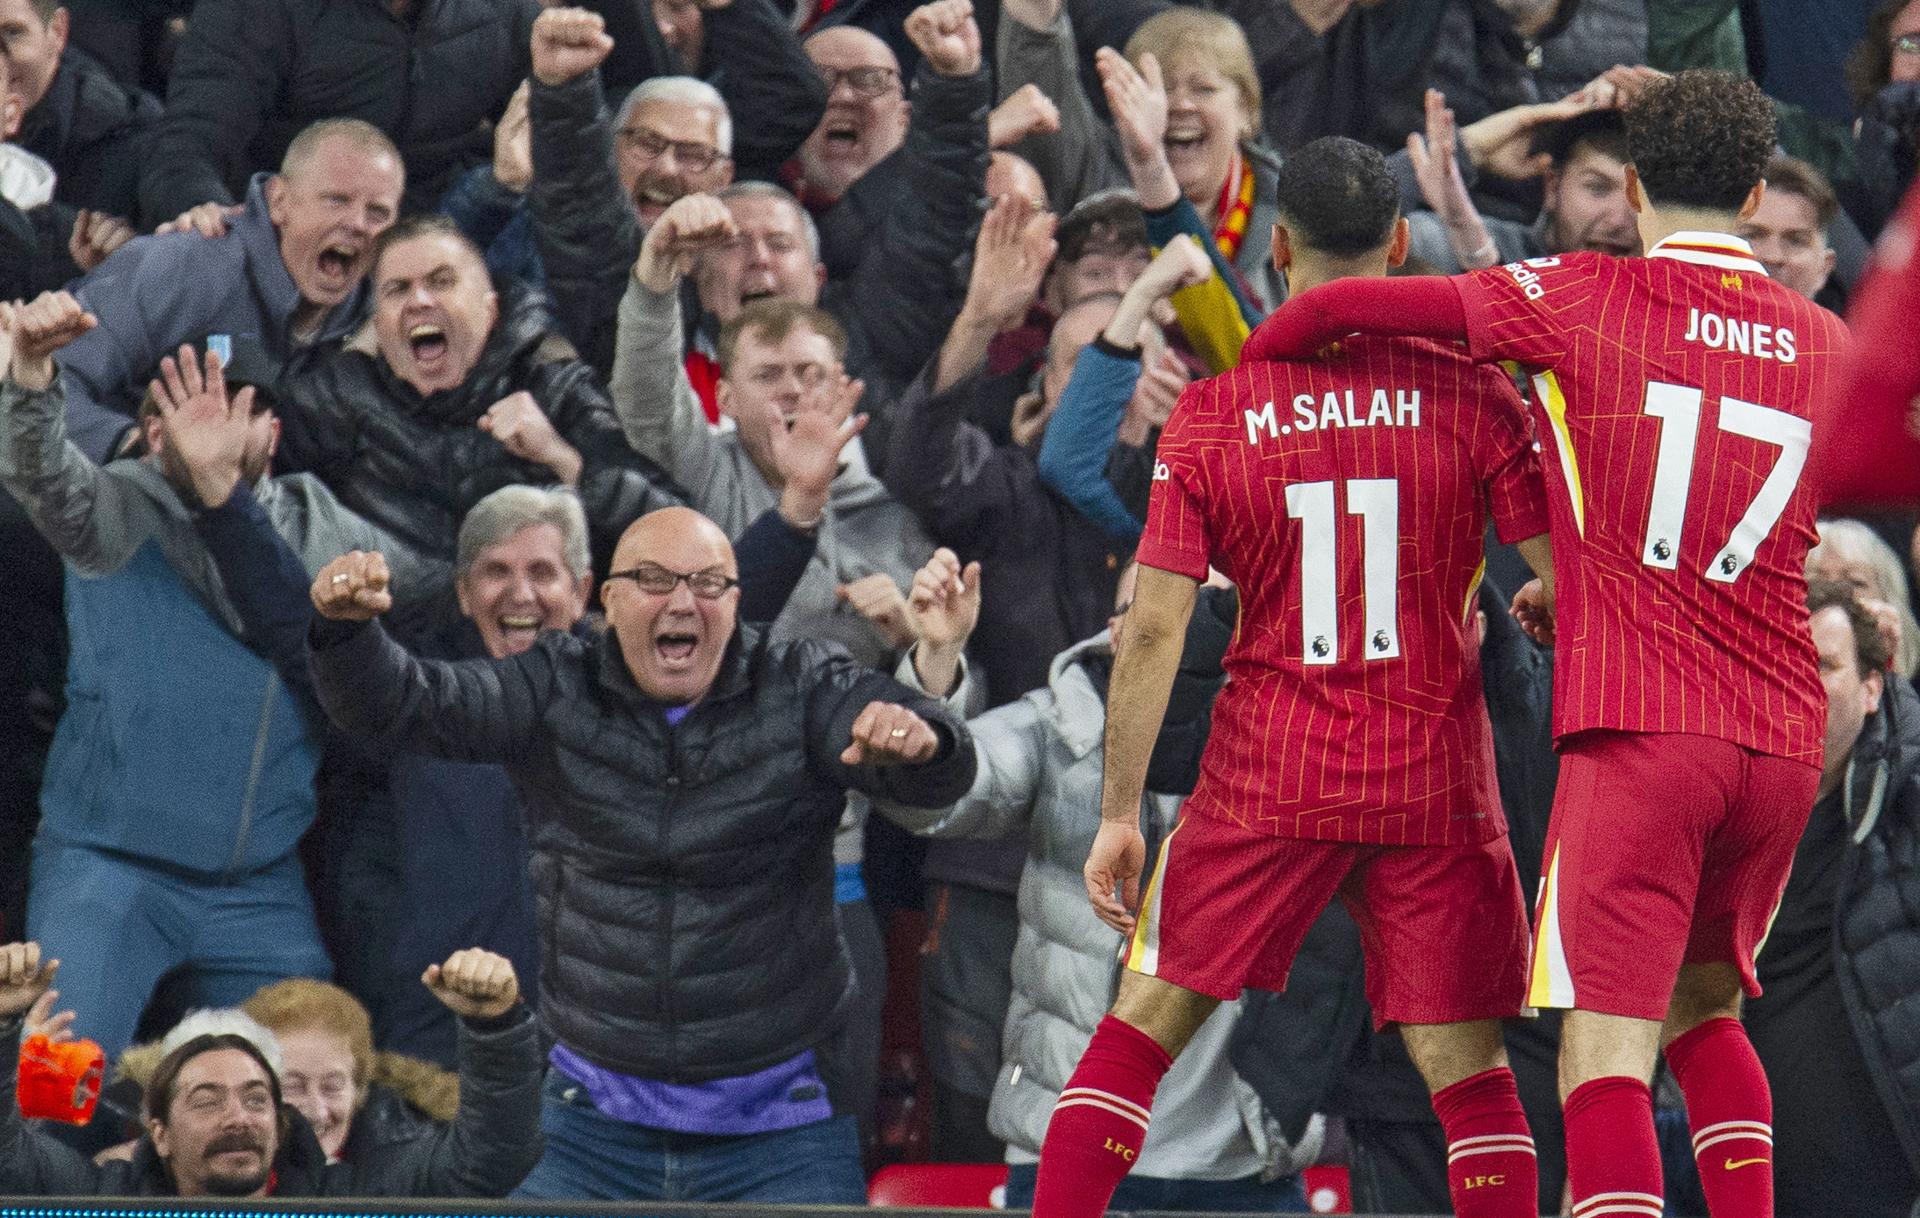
(580, 569)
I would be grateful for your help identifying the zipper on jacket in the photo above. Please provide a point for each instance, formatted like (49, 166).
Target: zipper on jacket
(258, 763)
(668, 1024)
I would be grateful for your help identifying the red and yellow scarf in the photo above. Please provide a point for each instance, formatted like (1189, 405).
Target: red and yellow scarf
(1234, 208)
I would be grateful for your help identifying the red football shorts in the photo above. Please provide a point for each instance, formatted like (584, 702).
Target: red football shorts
(1664, 849)
(1444, 928)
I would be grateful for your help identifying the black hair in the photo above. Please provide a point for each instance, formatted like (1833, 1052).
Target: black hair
(1700, 138)
(159, 1095)
(1338, 197)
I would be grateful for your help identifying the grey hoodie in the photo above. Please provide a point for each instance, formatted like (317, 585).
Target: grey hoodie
(865, 529)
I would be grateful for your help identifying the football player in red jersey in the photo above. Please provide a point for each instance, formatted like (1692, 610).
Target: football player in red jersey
(1350, 752)
(1675, 393)
(1866, 442)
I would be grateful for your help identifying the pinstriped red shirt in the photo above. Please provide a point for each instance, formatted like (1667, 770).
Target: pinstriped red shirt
(1673, 395)
(1348, 498)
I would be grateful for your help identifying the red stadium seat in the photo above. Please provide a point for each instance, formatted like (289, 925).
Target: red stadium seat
(1328, 1190)
(960, 1185)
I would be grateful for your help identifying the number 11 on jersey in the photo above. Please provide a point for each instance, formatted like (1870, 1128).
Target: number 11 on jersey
(1377, 502)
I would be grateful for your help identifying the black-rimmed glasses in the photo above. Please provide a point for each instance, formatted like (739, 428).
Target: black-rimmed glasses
(687, 154)
(867, 82)
(657, 580)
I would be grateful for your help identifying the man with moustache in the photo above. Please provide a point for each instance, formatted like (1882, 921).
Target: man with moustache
(683, 776)
(216, 1124)
(181, 776)
(287, 272)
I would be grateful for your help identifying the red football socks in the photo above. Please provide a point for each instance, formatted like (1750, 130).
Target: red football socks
(1100, 1122)
(1730, 1110)
(1491, 1168)
(1613, 1160)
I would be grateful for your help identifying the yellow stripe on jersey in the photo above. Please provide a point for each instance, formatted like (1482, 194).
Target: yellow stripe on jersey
(1551, 984)
(1473, 591)
(1144, 954)
(1547, 386)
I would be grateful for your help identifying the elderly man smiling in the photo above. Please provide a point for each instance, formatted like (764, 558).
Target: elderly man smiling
(684, 776)
(468, 390)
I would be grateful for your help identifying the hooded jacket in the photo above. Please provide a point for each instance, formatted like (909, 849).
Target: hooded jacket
(159, 291)
(179, 744)
(865, 529)
(415, 464)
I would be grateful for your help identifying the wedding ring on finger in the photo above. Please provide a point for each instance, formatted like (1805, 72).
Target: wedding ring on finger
(341, 579)
(897, 732)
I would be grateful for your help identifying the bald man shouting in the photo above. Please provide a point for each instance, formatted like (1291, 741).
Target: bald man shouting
(683, 777)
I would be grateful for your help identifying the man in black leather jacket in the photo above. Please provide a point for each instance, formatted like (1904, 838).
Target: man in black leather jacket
(466, 391)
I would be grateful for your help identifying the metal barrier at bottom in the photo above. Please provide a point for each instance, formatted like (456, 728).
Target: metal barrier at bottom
(380, 1207)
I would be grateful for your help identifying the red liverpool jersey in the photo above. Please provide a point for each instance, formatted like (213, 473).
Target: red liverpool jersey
(1348, 499)
(1674, 395)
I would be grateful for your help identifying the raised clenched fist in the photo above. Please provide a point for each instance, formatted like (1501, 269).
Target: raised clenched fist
(23, 978)
(947, 35)
(691, 224)
(353, 588)
(39, 328)
(568, 43)
(474, 984)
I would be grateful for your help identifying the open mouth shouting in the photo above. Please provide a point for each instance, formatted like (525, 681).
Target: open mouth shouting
(841, 136)
(519, 630)
(675, 647)
(338, 263)
(1185, 139)
(651, 198)
(428, 342)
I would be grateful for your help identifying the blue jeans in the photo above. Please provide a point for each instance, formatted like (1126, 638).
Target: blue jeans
(118, 927)
(1243, 1196)
(591, 1156)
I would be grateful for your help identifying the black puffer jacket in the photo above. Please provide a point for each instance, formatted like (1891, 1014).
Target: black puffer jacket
(414, 465)
(485, 1151)
(684, 872)
(250, 74)
(92, 129)
(1877, 912)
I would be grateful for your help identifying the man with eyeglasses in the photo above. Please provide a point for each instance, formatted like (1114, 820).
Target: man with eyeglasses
(894, 180)
(684, 776)
(599, 184)
(778, 359)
